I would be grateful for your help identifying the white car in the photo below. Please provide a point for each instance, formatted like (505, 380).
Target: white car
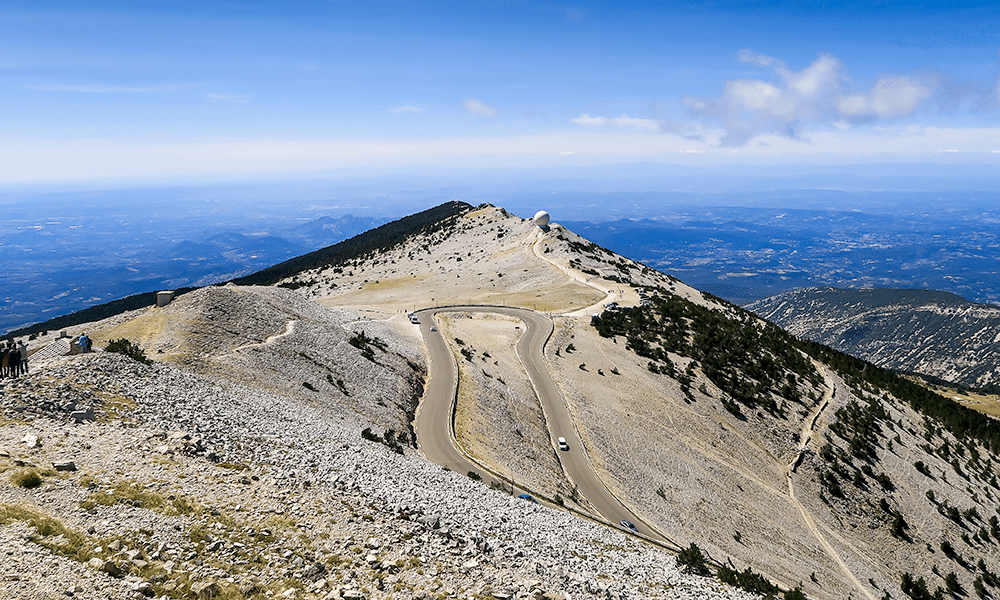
(433, 328)
(562, 444)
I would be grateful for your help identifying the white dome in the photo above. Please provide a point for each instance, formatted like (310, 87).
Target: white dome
(541, 218)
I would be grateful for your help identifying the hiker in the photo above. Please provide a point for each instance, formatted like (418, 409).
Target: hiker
(84, 343)
(14, 360)
(24, 356)
(4, 361)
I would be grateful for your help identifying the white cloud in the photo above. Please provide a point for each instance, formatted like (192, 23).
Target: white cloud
(791, 101)
(35, 159)
(478, 108)
(622, 121)
(108, 89)
(407, 108)
(889, 98)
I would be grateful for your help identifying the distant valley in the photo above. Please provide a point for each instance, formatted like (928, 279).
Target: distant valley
(747, 254)
(81, 249)
(72, 255)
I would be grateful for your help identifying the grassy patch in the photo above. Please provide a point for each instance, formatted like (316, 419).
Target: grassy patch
(50, 533)
(233, 466)
(133, 494)
(26, 478)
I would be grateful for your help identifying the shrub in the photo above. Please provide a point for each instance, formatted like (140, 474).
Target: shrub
(691, 560)
(747, 580)
(27, 478)
(795, 593)
(475, 476)
(951, 583)
(129, 349)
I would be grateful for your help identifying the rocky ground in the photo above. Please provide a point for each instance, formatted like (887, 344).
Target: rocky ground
(235, 465)
(156, 482)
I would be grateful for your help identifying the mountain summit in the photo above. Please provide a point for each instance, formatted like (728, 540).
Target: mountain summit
(278, 429)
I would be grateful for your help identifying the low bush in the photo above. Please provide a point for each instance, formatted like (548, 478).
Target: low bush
(748, 580)
(691, 560)
(129, 349)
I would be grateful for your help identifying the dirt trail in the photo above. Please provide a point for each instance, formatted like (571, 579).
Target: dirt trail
(289, 329)
(808, 428)
(610, 295)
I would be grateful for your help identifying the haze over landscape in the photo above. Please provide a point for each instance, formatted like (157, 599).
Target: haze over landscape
(132, 129)
(341, 164)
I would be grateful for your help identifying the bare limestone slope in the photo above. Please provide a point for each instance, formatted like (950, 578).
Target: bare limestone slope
(920, 331)
(710, 424)
(666, 444)
(184, 486)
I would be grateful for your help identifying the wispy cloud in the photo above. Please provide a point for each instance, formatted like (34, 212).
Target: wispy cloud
(230, 98)
(108, 89)
(478, 108)
(32, 159)
(791, 100)
(622, 121)
(407, 108)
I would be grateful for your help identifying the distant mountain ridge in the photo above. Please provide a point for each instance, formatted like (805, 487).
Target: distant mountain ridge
(230, 244)
(921, 331)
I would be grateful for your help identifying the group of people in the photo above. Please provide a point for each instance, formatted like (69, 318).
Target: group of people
(15, 359)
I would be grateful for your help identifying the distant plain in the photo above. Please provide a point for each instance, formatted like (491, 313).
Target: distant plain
(67, 250)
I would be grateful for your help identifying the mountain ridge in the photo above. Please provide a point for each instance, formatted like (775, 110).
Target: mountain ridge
(774, 456)
(928, 332)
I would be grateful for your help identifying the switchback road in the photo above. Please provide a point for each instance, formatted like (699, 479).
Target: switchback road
(434, 423)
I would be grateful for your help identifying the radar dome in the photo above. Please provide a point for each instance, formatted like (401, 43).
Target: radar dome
(541, 218)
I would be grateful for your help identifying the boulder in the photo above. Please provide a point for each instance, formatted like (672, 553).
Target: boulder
(205, 589)
(83, 414)
(430, 521)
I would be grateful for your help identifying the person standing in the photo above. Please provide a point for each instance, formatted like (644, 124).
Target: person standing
(24, 356)
(84, 343)
(5, 360)
(15, 360)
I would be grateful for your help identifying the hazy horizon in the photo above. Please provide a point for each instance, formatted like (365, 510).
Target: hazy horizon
(133, 131)
(218, 92)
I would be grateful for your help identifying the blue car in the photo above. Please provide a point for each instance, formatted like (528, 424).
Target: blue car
(528, 498)
(628, 525)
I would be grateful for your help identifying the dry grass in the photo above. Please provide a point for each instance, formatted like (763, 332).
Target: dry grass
(988, 404)
(136, 495)
(26, 478)
(50, 532)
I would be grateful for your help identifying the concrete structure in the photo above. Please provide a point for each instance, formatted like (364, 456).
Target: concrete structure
(164, 298)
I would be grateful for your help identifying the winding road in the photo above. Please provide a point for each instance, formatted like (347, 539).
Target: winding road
(435, 418)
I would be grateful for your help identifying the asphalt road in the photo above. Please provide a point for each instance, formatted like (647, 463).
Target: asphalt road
(434, 423)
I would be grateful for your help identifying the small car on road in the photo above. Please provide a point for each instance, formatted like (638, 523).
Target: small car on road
(528, 498)
(628, 525)
(562, 444)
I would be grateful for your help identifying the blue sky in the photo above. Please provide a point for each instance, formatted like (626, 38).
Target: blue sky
(228, 90)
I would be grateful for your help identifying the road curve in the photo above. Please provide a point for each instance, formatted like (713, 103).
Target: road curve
(434, 422)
